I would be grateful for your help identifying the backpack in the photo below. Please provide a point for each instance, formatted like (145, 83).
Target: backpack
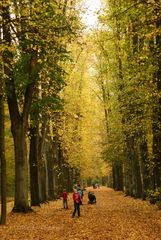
(80, 192)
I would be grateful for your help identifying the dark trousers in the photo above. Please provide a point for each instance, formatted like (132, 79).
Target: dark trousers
(65, 204)
(76, 209)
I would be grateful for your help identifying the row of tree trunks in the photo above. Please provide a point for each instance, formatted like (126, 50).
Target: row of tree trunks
(49, 174)
(132, 180)
(44, 165)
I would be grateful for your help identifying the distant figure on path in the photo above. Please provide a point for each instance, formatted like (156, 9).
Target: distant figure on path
(65, 199)
(91, 198)
(77, 202)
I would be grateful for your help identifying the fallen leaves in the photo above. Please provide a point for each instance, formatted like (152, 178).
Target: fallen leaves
(114, 217)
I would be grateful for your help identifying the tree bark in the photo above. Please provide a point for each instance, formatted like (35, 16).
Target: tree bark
(133, 181)
(144, 167)
(157, 111)
(2, 157)
(117, 176)
(33, 161)
(19, 120)
(21, 186)
(42, 165)
(50, 167)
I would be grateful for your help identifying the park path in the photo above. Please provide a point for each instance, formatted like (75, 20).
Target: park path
(113, 217)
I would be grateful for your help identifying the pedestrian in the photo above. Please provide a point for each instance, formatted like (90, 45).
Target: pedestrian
(65, 199)
(77, 201)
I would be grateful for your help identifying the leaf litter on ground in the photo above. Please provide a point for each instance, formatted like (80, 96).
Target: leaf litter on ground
(114, 217)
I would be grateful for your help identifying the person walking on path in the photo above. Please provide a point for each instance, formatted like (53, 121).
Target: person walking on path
(77, 201)
(65, 199)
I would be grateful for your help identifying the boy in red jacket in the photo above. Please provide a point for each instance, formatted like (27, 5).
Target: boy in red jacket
(65, 199)
(77, 201)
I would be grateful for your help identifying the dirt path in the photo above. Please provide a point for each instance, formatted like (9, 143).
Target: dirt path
(113, 217)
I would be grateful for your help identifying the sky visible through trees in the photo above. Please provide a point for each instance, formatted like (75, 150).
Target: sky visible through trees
(90, 17)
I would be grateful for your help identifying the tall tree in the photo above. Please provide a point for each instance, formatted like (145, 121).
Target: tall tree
(2, 150)
(157, 106)
(22, 33)
(131, 74)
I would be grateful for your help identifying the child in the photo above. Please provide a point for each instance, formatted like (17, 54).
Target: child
(65, 199)
(77, 201)
(91, 197)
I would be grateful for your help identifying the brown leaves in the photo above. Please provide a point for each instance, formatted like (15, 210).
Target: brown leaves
(113, 217)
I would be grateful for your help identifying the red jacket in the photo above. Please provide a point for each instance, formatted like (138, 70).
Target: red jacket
(65, 195)
(76, 197)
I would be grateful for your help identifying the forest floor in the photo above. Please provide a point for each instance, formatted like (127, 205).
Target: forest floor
(113, 217)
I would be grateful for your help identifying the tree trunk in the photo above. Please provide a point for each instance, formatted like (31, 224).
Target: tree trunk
(157, 111)
(50, 167)
(144, 167)
(134, 185)
(21, 186)
(114, 177)
(128, 170)
(60, 167)
(69, 178)
(2, 157)
(42, 164)
(18, 123)
(33, 161)
(19, 120)
(55, 161)
(119, 179)
(137, 177)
